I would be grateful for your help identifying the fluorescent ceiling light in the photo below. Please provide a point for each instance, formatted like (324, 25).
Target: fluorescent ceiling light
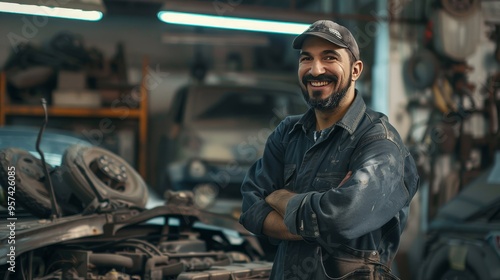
(83, 10)
(232, 22)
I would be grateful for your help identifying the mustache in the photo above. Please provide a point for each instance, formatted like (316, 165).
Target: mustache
(321, 78)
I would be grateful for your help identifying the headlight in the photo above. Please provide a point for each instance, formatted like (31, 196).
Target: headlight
(197, 169)
(204, 195)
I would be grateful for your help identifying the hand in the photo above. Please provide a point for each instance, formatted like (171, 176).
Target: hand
(279, 199)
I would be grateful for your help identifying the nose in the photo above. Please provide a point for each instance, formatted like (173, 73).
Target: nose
(317, 68)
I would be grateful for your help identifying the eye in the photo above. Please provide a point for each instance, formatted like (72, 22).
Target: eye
(304, 58)
(330, 58)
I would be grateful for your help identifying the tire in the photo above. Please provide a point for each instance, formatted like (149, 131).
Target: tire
(120, 186)
(437, 266)
(30, 191)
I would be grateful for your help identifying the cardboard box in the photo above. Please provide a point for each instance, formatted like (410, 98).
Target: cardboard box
(76, 98)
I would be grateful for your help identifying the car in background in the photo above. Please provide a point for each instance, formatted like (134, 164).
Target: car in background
(216, 131)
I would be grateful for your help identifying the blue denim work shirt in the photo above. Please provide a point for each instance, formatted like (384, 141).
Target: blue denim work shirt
(362, 218)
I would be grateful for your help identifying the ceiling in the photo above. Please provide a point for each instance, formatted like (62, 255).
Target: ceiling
(151, 7)
(292, 10)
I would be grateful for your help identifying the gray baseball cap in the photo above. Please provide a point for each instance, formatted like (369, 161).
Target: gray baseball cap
(332, 32)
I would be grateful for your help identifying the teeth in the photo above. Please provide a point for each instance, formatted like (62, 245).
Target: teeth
(319, 84)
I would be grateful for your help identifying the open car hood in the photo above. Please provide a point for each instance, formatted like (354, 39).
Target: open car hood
(33, 234)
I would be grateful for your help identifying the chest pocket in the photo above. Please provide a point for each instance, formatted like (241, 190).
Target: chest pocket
(289, 176)
(328, 180)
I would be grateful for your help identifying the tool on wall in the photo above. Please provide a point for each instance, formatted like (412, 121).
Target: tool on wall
(440, 74)
(422, 69)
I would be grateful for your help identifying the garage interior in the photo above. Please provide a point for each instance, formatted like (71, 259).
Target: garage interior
(432, 66)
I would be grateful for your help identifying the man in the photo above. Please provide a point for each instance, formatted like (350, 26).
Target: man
(334, 185)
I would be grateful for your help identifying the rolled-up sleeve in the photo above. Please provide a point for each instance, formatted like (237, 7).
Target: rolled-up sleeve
(374, 194)
(252, 218)
(294, 218)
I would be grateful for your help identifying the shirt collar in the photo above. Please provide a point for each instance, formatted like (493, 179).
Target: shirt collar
(349, 121)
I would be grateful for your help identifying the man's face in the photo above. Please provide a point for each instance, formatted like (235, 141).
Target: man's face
(325, 73)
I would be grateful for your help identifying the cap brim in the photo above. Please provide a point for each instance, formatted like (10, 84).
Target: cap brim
(299, 40)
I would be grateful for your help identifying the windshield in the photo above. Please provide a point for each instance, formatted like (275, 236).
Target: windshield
(234, 105)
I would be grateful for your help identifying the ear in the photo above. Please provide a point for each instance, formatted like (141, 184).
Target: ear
(357, 68)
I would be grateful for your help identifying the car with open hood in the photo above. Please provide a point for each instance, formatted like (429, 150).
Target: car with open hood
(86, 214)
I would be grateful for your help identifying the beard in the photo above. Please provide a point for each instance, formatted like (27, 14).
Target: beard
(330, 103)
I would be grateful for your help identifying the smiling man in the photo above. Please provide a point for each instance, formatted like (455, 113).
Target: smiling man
(334, 185)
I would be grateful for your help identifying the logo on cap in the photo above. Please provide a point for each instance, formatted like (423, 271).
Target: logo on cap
(335, 32)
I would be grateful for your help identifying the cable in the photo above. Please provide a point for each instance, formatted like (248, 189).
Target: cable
(125, 244)
(153, 247)
(60, 261)
(56, 212)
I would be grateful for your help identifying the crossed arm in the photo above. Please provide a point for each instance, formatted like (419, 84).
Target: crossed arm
(274, 225)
